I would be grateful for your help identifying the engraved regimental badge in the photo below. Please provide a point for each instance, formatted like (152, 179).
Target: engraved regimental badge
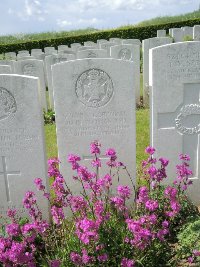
(125, 54)
(94, 88)
(29, 69)
(8, 104)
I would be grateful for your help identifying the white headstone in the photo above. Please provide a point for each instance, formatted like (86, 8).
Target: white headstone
(95, 100)
(5, 69)
(107, 47)
(196, 33)
(63, 47)
(175, 107)
(161, 33)
(75, 46)
(11, 55)
(146, 45)
(22, 145)
(49, 50)
(131, 53)
(35, 68)
(89, 43)
(131, 41)
(24, 52)
(49, 61)
(170, 32)
(116, 40)
(24, 56)
(101, 41)
(35, 50)
(87, 47)
(177, 34)
(8, 62)
(92, 53)
(187, 32)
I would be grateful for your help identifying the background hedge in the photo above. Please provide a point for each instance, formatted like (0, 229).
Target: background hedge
(128, 32)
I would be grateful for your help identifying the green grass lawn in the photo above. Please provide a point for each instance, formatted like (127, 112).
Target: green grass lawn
(142, 128)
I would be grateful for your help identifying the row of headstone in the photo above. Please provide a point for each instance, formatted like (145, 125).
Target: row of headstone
(130, 50)
(95, 100)
(181, 34)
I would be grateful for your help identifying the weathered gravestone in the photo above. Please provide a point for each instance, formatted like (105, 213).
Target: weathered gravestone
(49, 61)
(175, 106)
(92, 53)
(95, 100)
(161, 33)
(146, 45)
(33, 67)
(177, 34)
(22, 145)
(196, 33)
(131, 53)
(101, 41)
(5, 69)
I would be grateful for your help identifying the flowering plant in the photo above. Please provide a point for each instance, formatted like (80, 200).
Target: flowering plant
(131, 227)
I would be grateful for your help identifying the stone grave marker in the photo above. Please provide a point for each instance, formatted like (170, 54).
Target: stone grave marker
(196, 33)
(22, 145)
(11, 55)
(90, 43)
(5, 69)
(23, 53)
(107, 47)
(131, 53)
(49, 50)
(146, 45)
(170, 32)
(177, 34)
(187, 32)
(101, 41)
(75, 46)
(49, 61)
(95, 100)
(63, 47)
(132, 41)
(36, 50)
(92, 53)
(116, 40)
(161, 33)
(33, 67)
(9, 63)
(175, 107)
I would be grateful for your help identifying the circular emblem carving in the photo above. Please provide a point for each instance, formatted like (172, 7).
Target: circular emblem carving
(188, 110)
(94, 88)
(8, 104)
(29, 69)
(125, 54)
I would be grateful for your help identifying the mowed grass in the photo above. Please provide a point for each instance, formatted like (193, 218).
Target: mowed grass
(142, 141)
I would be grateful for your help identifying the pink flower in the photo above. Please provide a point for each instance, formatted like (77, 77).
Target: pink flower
(150, 150)
(151, 205)
(55, 263)
(127, 263)
(103, 257)
(38, 183)
(95, 147)
(124, 191)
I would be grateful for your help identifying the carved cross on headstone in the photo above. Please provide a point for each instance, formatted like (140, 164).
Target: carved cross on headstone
(5, 174)
(186, 120)
(90, 158)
